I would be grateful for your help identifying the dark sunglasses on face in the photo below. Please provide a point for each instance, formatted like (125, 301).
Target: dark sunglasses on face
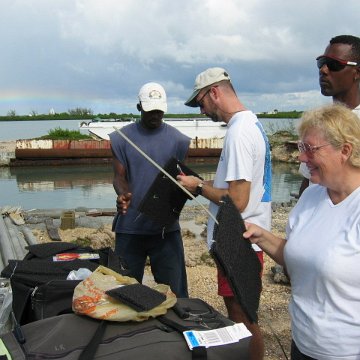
(333, 63)
(201, 100)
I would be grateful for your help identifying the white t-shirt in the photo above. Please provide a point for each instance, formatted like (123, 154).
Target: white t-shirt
(357, 110)
(245, 156)
(322, 257)
(303, 169)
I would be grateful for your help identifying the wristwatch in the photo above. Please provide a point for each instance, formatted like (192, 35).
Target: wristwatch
(199, 188)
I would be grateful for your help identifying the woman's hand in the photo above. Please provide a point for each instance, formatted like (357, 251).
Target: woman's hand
(253, 232)
(268, 242)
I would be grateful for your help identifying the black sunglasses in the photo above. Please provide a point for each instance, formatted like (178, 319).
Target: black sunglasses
(333, 63)
(201, 100)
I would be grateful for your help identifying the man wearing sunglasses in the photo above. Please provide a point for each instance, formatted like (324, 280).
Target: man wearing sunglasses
(243, 173)
(339, 77)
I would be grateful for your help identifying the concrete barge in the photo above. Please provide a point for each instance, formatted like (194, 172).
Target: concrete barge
(55, 152)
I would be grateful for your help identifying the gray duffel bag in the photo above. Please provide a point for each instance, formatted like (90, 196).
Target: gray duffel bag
(75, 337)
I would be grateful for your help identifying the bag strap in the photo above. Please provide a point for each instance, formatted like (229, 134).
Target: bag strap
(197, 353)
(90, 349)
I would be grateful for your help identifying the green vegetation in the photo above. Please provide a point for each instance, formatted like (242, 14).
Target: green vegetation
(183, 116)
(281, 115)
(72, 114)
(64, 116)
(64, 134)
(87, 114)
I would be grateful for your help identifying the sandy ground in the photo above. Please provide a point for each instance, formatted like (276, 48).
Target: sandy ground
(273, 315)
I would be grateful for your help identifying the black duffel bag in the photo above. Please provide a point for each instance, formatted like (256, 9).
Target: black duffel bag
(39, 284)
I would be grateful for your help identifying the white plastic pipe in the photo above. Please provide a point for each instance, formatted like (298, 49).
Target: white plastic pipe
(7, 250)
(17, 241)
(28, 235)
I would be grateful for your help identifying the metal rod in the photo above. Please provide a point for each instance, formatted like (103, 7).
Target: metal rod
(165, 172)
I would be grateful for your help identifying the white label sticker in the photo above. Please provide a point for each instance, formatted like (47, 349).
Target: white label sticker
(222, 336)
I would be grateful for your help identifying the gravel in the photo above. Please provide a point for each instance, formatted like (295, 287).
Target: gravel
(273, 314)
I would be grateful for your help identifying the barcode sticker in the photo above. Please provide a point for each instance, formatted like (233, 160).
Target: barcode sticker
(207, 338)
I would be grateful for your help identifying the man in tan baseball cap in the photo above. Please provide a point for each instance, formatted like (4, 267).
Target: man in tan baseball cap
(243, 173)
(204, 79)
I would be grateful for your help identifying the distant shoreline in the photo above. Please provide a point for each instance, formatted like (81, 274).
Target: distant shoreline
(123, 117)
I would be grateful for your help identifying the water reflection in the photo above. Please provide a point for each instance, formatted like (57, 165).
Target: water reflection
(285, 180)
(91, 186)
(64, 177)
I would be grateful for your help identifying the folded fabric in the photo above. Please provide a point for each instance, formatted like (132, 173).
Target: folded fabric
(49, 249)
(138, 296)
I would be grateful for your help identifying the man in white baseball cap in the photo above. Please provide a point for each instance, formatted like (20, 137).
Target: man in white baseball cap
(136, 235)
(152, 96)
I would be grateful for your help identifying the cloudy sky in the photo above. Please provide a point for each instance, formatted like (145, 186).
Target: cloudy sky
(96, 54)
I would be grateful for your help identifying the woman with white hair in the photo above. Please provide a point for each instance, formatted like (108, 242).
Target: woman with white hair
(321, 252)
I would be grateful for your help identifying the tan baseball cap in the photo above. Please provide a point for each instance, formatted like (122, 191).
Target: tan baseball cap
(204, 79)
(152, 96)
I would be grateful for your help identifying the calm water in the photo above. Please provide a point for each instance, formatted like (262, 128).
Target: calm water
(14, 130)
(67, 187)
(87, 186)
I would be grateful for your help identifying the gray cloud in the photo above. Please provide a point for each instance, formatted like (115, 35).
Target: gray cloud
(97, 53)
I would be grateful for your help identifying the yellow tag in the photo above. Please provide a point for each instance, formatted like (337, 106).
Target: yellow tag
(4, 350)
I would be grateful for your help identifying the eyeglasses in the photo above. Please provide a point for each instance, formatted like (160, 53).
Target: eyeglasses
(333, 63)
(304, 147)
(200, 102)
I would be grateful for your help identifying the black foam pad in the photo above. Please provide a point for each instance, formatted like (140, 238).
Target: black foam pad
(138, 296)
(236, 257)
(49, 249)
(164, 200)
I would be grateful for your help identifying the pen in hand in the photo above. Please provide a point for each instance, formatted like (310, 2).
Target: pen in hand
(180, 170)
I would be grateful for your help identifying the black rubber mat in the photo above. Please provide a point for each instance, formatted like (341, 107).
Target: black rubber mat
(138, 296)
(236, 257)
(164, 200)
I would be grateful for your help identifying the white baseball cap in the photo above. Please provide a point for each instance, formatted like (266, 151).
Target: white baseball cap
(204, 79)
(152, 96)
